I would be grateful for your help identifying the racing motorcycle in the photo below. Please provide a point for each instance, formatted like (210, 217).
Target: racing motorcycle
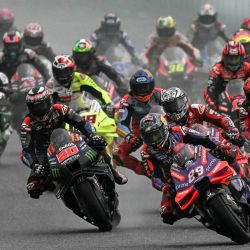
(102, 124)
(25, 78)
(176, 69)
(209, 190)
(80, 171)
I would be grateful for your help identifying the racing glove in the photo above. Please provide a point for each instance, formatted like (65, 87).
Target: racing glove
(233, 134)
(109, 109)
(39, 169)
(134, 141)
(97, 141)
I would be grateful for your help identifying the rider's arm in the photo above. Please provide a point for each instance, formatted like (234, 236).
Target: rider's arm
(209, 115)
(47, 52)
(35, 60)
(190, 136)
(124, 117)
(73, 119)
(222, 32)
(187, 47)
(88, 85)
(216, 86)
(110, 73)
(126, 42)
(28, 144)
(94, 39)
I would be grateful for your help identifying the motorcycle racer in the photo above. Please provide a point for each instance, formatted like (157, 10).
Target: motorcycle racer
(14, 54)
(157, 155)
(167, 36)
(33, 39)
(133, 107)
(67, 86)
(231, 66)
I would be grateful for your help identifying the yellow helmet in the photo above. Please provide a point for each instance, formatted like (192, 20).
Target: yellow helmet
(165, 26)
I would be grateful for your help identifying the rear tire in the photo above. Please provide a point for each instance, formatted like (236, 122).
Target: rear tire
(228, 220)
(88, 198)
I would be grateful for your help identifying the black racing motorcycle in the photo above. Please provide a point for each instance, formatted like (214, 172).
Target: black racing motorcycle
(83, 179)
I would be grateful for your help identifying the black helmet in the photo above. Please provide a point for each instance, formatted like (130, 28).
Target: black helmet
(12, 44)
(154, 130)
(142, 85)
(207, 15)
(33, 35)
(175, 103)
(39, 104)
(111, 23)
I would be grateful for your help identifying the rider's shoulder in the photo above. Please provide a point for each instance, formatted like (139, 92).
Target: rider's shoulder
(30, 53)
(63, 109)
(217, 68)
(197, 107)
(126, 100)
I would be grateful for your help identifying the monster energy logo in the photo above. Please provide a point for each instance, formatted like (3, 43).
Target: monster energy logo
(90, 155)
(55, 172)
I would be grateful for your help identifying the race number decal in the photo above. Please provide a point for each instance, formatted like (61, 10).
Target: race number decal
(90, 118)
(66, 153)
(191, 176)
(176, 68)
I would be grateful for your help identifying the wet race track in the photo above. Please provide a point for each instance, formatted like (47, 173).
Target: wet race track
(45, 223)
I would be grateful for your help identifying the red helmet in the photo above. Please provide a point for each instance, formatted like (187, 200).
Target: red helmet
(33, 34)
(246, 88)
(233, 55)
(6, 19)
(246, 24)
(63, 68)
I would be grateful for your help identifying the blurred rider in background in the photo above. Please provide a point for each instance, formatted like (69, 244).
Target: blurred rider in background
(206, 27)
(33, 39)
(164, 37)
(109, 35)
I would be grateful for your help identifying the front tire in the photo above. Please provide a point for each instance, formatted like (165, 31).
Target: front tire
(230, 223)
(88, 198)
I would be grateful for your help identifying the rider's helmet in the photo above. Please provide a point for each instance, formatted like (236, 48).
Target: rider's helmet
(111, 24)
(154, 130)
(33, 35)
(39, 104)
(207, 16)
(63, 68)
(142, 85)
(246, 24)
(6, 20)
(246, 88)
(83, 53)
(243, 37)
(12, 44)
(166, 27)
(233, 55)
(175, 104)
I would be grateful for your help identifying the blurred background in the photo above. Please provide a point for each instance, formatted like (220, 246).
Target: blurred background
(65, 21)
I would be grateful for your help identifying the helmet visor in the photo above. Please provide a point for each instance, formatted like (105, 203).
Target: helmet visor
(176, 109)
(84, 58)
(166, 32)
(111, 27)
(142, 89)
(154, 137)
(5, 26)
(207, 19)
(232, 62)
(12, 47)
(33, 41)
(63, 76)
(41, 109)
